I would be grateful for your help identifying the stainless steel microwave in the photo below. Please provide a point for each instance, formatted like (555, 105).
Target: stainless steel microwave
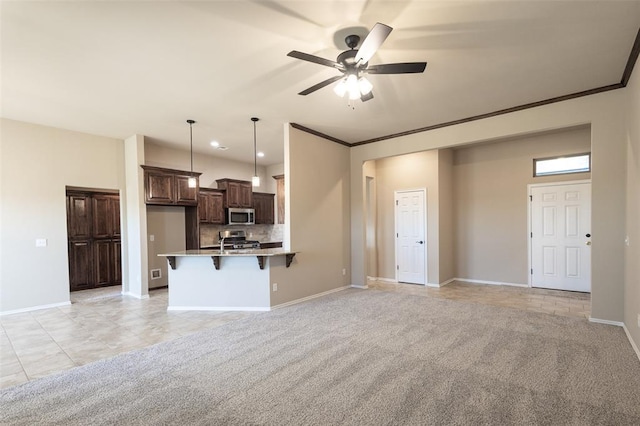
(237, 216)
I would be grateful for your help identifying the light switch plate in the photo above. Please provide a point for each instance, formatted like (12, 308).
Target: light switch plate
(41, 242)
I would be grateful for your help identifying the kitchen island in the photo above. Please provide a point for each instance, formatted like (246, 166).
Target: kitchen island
(226, 280)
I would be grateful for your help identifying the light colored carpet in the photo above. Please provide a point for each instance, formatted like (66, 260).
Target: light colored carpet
(356, 357)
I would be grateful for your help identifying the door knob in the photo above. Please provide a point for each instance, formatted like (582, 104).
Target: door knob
(420, 242)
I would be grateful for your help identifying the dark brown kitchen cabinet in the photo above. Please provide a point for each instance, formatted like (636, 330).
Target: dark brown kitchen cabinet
(210, 206)
(169, 187)
(79, 209)
(263, 203)
(81, 265)
(106, 216)
(238, 193)
(93, 223)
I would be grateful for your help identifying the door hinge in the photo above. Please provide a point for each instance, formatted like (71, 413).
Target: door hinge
(396, 202)
(398, 267)
(532, 235)
(530, 197)
(531, 271)
(397, 235)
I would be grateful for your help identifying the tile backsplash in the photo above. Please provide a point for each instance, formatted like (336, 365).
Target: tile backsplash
(262, 233)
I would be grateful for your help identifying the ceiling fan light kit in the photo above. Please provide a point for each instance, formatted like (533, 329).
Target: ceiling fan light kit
(355, 62)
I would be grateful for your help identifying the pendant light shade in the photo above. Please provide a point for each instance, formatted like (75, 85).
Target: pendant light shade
(192, 180)
(255, 180)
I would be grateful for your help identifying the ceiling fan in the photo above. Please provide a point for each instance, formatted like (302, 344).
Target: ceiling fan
(354, 63)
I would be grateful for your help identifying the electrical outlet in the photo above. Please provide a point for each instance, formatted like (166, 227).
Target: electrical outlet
(344, 271)
(627, 242)
(152, 237)
(41, 242)
(638, 320)
(275, 286)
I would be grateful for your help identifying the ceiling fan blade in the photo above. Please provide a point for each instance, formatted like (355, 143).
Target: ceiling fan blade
(400, 68)
(315, 59)
(368, 96)
(372, 42)
(320, 85)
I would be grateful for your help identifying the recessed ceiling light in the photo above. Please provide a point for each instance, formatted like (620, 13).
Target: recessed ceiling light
(215, 144)
(260, 154)
(223, 148)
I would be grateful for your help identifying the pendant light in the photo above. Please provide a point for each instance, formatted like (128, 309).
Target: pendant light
(255, 180)
(192, 180)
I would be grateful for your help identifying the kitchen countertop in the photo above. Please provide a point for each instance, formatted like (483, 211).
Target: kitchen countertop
(270, 244)
(232, 252)
(216, 255)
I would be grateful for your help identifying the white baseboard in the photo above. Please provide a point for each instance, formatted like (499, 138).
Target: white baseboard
(144, 296)
(607, 322)
(385, 280)
(488, 282)
(313, 296)
(624, 327)
(35, 308)
(218, 308)
(633, 344)
(364, 287)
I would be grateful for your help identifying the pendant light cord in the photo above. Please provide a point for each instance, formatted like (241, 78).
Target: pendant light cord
(191, 141)
(255, 153)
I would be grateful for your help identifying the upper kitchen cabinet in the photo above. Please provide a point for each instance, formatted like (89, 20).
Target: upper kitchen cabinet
(169, 187)
(210, 209)
(238, 193)
(263, 205)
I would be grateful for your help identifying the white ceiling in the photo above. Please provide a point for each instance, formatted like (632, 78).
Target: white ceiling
(120, 68)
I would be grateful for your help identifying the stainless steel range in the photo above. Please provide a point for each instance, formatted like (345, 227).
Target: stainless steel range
(236, 240)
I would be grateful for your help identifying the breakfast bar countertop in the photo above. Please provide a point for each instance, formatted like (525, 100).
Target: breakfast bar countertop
(232, 252)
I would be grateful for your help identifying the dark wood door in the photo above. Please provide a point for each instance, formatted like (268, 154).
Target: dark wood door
(94, 239)
(216, 210)
(102, 216)
(185, 196)
(114, 201)
(79, 223)
(159, 188)
(263, 203)
(203, 207)
(117, 262)
(103, 265)
(245, 195)
(81, 275)
(233, 194)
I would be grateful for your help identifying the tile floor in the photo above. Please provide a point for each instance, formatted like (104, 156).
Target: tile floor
(102, 323)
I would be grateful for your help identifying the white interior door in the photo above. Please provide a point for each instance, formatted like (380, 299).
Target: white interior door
(561, 236)
(410, 236)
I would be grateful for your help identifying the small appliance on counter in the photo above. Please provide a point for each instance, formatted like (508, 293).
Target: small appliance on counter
(237, 240)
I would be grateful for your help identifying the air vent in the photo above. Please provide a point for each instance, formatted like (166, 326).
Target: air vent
(156, 274)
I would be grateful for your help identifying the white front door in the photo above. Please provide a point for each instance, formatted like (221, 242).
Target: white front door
(410, 236)
(561, 236)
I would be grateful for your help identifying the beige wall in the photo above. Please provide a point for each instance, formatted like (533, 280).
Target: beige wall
(36, 164)
(490, 189)
(317, 191)
(445, 216)
(632, 250)
(211, 167)
(371, 217)
(605, 112)
(166, 225)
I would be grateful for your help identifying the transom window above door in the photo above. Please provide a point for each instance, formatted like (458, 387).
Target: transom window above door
(577, 163)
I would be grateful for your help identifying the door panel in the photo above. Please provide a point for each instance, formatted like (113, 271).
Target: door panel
(560, 221)
(411, 241)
